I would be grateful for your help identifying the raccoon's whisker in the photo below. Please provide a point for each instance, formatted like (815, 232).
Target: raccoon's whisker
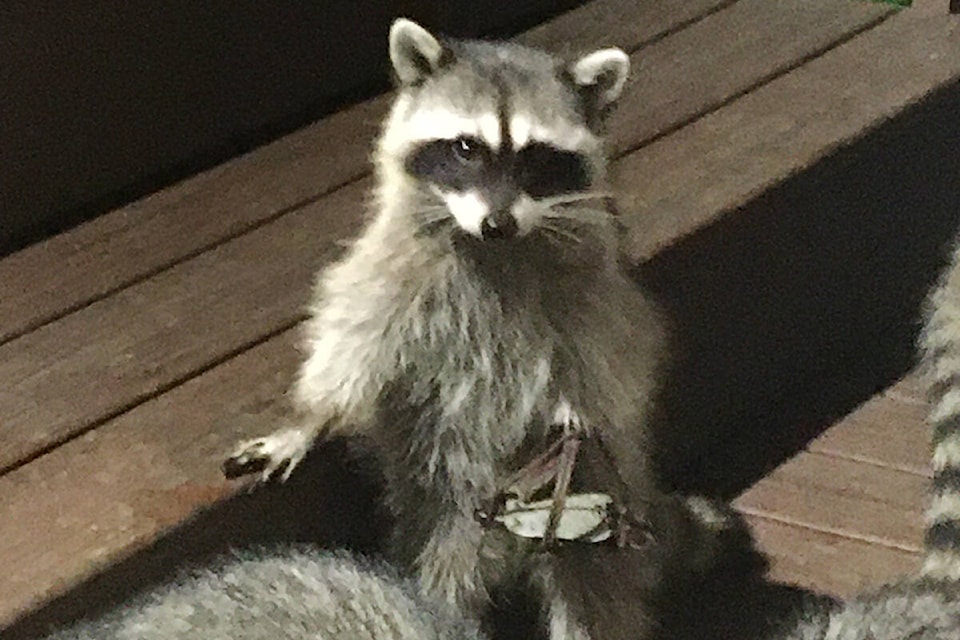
(430, 222)
(430, 210)
(561, 233)
(569, 198)
(582, 215)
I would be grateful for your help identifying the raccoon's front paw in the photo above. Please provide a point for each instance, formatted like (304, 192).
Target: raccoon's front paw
(277, 453)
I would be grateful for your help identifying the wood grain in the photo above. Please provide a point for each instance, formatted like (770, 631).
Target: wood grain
(845, 497)
(728, 53)
(628, 24)
(113, 354)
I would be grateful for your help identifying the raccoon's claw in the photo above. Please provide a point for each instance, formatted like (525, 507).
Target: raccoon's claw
(278, 453)
(241, 464)
(487, 514)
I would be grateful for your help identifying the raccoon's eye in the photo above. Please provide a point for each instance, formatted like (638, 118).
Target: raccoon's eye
(467, 150)
(453, 164)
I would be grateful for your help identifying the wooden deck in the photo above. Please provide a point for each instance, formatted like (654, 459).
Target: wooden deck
(135, 350)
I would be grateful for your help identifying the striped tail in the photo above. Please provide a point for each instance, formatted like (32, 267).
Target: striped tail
(940, 344)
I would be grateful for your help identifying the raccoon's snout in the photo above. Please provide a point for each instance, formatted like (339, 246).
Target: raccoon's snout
(498, 226)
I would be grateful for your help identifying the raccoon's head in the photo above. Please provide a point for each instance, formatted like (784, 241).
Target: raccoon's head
(495, 140)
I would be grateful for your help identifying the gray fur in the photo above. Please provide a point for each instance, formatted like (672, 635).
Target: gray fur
(285, 594)
(940, 341)
(454, 355)
(917, 609)
(927, 606)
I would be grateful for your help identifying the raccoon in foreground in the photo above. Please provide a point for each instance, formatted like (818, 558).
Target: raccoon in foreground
(281, 594)
(926, 606)
(482, 314)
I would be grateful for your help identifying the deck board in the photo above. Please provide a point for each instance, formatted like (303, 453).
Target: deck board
(827, 562)
(888, 430)
(852, 499)
(182, 307)
(679, 79)
(629, 24)
(164, 330)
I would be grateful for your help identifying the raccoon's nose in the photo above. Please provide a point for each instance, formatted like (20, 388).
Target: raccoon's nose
(498, 226)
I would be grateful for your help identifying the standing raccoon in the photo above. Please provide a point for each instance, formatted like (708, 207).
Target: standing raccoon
(482, 313)
(927, 606)
(282, 594)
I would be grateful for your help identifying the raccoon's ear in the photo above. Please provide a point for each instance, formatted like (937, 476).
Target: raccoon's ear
(601, 75)
(414, 52)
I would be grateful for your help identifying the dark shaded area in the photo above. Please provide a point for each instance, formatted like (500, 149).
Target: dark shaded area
(724, 606)
(515, 615)
(104, 103)
(806, 302)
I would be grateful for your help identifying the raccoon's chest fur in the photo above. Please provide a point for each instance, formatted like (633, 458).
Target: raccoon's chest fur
(487, 350)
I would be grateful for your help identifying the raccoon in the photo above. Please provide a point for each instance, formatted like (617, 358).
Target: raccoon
(483, 311)
(279, 594)
(925, 606)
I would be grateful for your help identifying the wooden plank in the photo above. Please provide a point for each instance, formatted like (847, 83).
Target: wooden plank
(101, 497)
(848, 498)
(733, 154)
(146, 338)
(827, 562)
(68, 271)
(234, 281)
(889, 430)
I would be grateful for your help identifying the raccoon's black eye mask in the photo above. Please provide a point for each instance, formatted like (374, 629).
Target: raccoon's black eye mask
(465, 163)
